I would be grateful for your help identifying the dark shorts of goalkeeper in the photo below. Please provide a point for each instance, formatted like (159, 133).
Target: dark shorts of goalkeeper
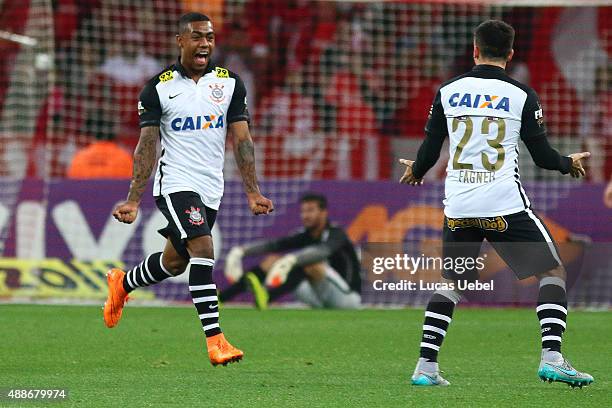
(521, 240)
(187, 217)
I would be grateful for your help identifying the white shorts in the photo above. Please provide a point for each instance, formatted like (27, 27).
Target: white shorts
(332, 292)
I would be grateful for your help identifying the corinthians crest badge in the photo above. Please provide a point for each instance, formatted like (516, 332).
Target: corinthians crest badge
(195, 217)
(216, 93)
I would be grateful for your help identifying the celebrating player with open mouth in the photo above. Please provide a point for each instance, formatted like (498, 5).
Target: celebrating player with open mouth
(190, 107)
(484, 113)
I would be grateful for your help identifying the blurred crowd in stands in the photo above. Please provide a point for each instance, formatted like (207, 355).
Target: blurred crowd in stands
(330, 85)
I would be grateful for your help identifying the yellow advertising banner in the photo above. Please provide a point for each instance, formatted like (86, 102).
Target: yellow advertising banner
(56, 278)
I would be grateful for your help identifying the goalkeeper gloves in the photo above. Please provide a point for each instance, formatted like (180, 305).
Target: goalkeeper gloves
(279, 271)
(233, 264)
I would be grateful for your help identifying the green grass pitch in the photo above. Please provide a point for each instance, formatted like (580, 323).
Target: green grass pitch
(156, 358)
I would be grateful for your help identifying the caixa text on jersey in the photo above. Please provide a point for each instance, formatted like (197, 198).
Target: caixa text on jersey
(479, 101)
(197, 122)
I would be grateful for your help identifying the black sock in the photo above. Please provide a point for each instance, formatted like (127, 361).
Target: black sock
(438, 316)
(204, 294)
(552, 312)
(241, 285)
(148, 272)
(294, 278)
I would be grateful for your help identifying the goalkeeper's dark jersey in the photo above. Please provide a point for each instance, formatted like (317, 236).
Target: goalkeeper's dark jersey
(334, 247)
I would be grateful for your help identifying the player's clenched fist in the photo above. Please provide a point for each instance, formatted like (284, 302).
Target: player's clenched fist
(126, 211)
(259, 204)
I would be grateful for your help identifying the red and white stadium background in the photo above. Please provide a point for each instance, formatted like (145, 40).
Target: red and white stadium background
(337, 91)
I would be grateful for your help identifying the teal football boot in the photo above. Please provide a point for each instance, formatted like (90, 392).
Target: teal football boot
(563, 371)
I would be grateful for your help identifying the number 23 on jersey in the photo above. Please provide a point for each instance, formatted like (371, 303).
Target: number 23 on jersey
(485, 131)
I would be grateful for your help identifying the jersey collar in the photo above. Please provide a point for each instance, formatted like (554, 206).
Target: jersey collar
(181, 69)
(489, 68)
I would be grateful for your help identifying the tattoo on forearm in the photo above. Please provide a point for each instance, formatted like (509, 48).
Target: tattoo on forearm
(245, 158)
(145, 155)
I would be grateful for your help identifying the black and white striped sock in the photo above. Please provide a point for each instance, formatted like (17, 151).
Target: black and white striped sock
(204, 294)
(148, 272)
(552, 312)
(438, 316)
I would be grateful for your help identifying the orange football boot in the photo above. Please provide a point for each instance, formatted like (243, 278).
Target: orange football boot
(117, 297)
(221, 352)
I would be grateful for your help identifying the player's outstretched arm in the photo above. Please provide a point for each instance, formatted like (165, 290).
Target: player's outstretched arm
(244, 152)
(546, 157)
(306, 256)
(144, 161)
(233, 261)
(533, 133)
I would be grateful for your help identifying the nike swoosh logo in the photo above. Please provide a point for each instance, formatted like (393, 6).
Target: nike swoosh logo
(213, 306)
(174, 96)
(570, 373)
(429, 377)
(566, 372)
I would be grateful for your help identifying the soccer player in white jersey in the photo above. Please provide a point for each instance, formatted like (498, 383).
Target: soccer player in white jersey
(190, 107)
(484, 113)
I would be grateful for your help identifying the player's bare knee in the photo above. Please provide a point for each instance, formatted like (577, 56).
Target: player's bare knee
(558, 272)
(315, 272)
(201, 247)
(175, 266)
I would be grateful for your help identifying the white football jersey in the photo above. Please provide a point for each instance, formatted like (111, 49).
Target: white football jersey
(193, 119)
(485, 113)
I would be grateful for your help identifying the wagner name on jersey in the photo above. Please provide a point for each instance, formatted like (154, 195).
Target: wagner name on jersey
(485, 113)
(193, 119)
